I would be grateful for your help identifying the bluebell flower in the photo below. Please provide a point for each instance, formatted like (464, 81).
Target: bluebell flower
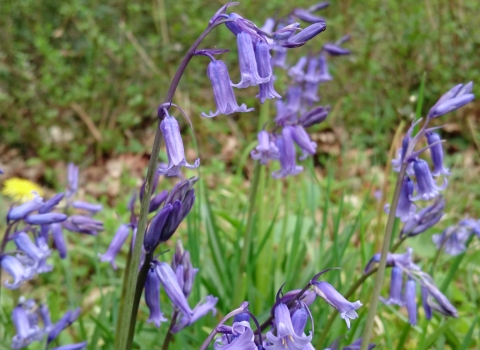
(26, 246)
(19, 212)
(67, 319)
(302, 139)
(307, 16)
(285, 32)
(77, 346)
(287, 112)
(396, 284)
(286, 150)
(286, 336)
(426, 306)
(42, 266)
(436, 152)
(15, 269)
(296, 72)
(93, 208)
(357, 344)
(59, 240)
(152, 298)
(335, 299)
(335, 50)
(25, 333)
(183, 268)
(262, 56)
(436, 300)
(157, 201)
(424, 219)
(401, 260)
(199, 311)
(44, 312)
(241, 337)
(83, 224)
(116, 245)
(426, 186)
(266, 149)
(410, 302)
(45, 219)
(222, 90)
(72, 180)
(453, 99)
(452, 239)
(305, 35)
(472, 224)
(323, 75)
(405, 208)
(314, 116)
(174, 145)
(51, 203)
(170, 284)
(248, 64)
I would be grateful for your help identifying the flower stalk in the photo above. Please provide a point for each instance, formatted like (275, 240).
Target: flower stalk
(372, 310)
(133, 282)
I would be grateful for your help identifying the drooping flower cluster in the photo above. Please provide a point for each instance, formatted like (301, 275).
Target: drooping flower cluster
(426, 187)
(296, 112)
(290, 314)
(177, 280)
(405, 276)
(26, 316)
(454, 238)
(30, 226)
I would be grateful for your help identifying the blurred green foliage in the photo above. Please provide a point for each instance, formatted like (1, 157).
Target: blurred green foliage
(80, 76)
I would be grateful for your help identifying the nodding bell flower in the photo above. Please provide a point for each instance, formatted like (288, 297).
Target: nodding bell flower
(312, 80)
(396, 284)
(452, 239)
(152, 298)
(199, 311)
(286, 150)
(436, 152)
(15, 269)
(435, 300)
(45, 219)
(335, 50)
(174, 145)
(307, 16)
(314, 116)
(405, 207)
(410, 302)
(19, 212)
(51, 203)
(83, 224)
(116, 245)
(266, 149)
(453, 99)
(426, 186)
(297, 72)
(424, 219)
(222, 90)
(72, 180)
(288, 335)
(93, 208)
(26, 246)
(170, 283)
(248, 64)
(302, 139)
(67, 319)
(238, 337)
(262, 56)
(305, 35)
(335, 299)
(287, 112)
(59, 240)
(183, 268)
(324, 75)
(25, 333)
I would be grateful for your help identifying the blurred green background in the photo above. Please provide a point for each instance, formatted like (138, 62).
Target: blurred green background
(81, 80)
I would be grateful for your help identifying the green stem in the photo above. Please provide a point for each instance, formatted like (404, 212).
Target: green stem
(135, 281)
(372, 310)
(238, 297)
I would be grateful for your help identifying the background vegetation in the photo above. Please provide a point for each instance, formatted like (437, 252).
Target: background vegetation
(80, 81)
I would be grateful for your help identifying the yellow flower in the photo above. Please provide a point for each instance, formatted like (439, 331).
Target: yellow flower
(20, 189)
